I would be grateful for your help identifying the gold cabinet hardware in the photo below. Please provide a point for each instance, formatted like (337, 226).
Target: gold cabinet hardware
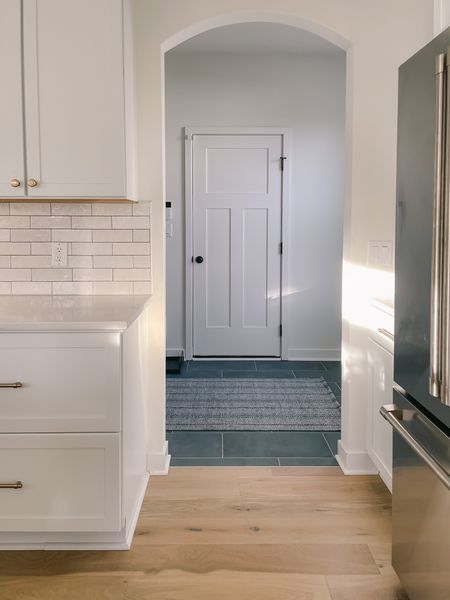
(16, 384)
(32, 183)
(14, 182)
(11, 486)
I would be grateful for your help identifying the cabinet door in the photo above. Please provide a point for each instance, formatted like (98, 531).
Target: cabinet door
(68, 482)
(74, 98)
(380, 392)
(11, 109)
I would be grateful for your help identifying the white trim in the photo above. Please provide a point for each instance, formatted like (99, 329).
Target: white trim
(314, 354)
(355, 463)
(136, 510)
(286, 137)
(441, 15)
(175, 352)
(158, 464)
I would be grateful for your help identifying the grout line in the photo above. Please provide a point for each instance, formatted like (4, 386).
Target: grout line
(279, 463)
(221, 435)
(329, 447)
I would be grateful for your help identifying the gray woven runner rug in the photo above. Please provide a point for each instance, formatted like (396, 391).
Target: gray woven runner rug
(252, 405)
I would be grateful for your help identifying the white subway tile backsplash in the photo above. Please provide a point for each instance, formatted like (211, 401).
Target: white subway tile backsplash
(60, 274)
(72, 288)
(133, 248)
(110, 209)
(106, 288)
(29, 208)
(30, 235)
(41, 248)
(14, 222)
(92, 274)
(63, 208)
(140, 262)
(92, 249)
(141, 235)
(141, 208)
(119, 262)
(131, 274)
(14, 248)
(142, 287)
(113, 235)
(30, 262)
(51, 222)
(130, 222)
(15, 275)
(31, 288)
(108, 248)
(72, 235)
(91, 222)
(79, 262)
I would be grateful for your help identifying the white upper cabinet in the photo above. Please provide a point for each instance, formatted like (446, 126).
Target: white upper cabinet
(12, 172)
(73, 97)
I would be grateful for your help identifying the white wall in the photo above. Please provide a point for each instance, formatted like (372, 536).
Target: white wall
(378, 37)
(306, 94)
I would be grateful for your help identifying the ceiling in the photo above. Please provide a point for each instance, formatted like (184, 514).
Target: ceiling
(257, 38)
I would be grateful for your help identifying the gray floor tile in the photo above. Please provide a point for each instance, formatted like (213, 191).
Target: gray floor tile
(282, 374)
(234, 365)
(270, 444)
(332, 365)
(334, 388)
(195, 444)
(224, 462)
(300, 374)
(332, 438)
(309, 462)
(272, 365)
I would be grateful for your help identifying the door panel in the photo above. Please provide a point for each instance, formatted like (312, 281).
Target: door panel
(237, 183)
(11, 122)
(74, 97)
(414, 225)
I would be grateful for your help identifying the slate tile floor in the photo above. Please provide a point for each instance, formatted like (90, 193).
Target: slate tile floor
(256, 448)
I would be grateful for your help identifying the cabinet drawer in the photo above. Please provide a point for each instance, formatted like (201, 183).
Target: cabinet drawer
(71, 382)
(70, 482)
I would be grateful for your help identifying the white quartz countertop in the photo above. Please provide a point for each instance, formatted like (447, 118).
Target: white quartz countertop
(69, 313)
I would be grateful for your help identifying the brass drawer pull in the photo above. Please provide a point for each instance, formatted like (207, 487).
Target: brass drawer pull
(16, 384)
(11, 486)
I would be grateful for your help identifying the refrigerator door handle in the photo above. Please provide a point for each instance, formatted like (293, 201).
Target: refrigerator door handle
(394, 416)
(437, 287)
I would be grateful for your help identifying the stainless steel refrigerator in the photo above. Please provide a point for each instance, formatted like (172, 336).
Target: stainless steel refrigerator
(420, 413)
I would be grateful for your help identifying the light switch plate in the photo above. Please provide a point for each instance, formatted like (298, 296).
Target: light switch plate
(380, 253)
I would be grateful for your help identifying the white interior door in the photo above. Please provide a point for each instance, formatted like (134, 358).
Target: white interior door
(237, 187)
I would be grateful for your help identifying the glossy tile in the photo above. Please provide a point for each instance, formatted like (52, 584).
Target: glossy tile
(195, 444)
(322, 461)
(224, 462)
(282, 374)
(332, 437)
(274, 444)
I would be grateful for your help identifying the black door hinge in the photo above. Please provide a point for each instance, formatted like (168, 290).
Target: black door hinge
(281, 330)
(281, 247)
(282, 159)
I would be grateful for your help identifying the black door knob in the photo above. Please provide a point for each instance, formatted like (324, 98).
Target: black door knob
(199, 259)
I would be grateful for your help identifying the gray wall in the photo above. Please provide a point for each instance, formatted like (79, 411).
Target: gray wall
(306, 94)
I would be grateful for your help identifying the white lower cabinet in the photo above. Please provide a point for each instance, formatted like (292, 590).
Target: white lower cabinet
(381, 376)
(68, 482)
(72, 439)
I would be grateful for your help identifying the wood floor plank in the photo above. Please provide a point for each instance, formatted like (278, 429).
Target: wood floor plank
(360, 587)
(222, 585)
(72, 587)
(306, 471)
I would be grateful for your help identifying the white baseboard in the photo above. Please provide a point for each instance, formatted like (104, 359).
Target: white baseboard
(355, 463)
(158, 464)
(314, 354)
(175, 352)
(131, 526)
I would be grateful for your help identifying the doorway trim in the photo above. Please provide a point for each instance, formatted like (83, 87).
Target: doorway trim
(189, 132)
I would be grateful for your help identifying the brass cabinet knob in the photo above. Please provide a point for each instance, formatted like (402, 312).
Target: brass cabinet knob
(14, 183)
(32, 183)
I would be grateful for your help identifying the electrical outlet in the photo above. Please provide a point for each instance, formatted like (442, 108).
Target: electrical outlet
(380, 253)
(59, 254)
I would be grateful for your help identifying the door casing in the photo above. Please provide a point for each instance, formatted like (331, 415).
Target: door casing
(189, 132)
